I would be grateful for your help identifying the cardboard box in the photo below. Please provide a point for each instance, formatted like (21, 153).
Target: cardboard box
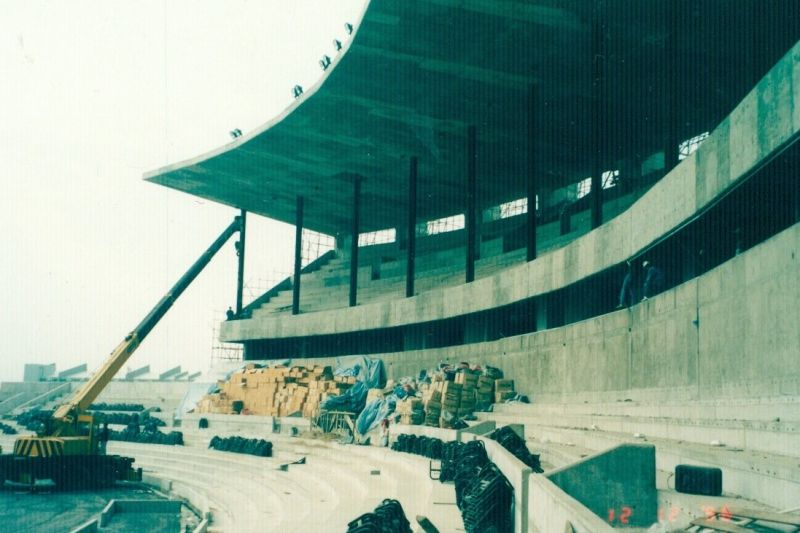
(503, 385)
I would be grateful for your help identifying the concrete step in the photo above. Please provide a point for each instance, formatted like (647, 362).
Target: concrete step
(786, 408)
(769, 478)
(308, 497)
(780, 438)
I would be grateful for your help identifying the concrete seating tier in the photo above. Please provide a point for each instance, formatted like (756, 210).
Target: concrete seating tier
(759, 455)
(335, 485)
(328, 288)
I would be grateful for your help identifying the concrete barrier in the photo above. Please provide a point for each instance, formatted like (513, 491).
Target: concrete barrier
(89, 527)
(619, 483)
(137, 506)
(481, 428)
(202, 527)
(551, 509)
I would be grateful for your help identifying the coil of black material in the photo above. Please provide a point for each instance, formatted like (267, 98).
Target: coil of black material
(235, 444)
(388, 517)
(508, 439)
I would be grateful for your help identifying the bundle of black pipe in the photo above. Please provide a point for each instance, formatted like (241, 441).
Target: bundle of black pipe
(483, 494)
(154, 436)
(486, 499)
(419, 445)
(258, 447)
(34, 419)
(102, 406)
(388, 517)
(128, 418)
(508, 439)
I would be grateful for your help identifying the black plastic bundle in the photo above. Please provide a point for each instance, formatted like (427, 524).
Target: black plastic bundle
(508, 439)
(258, 447)
(449, 455)
(483, 494)
(8, 430)
(469, 459)
(486, 500)
(419, 445)
(125, 419)
(102, 406)
(33, 419)
(388, 517)
(129, 434)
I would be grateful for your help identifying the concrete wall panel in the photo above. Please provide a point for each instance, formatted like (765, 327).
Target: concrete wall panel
(746, 343)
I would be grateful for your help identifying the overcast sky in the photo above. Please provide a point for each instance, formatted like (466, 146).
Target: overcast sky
(95, 93)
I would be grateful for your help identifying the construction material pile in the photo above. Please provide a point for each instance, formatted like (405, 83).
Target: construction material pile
(258, 447)
(449, 397)
(149, 436)
(388, 517)
(275, 391)
(508, 439)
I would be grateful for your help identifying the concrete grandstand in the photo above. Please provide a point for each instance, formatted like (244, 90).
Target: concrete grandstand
(488, 171)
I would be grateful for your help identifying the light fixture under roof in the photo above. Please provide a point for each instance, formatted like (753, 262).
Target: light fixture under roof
(297, 90)
(348, 28)
(325, 62)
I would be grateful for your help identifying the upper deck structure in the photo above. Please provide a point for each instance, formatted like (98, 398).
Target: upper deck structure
(619, 85)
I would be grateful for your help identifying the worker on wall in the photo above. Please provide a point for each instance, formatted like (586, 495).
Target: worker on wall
(653, 280)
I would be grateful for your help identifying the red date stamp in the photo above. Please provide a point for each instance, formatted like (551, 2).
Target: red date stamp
(672, 514)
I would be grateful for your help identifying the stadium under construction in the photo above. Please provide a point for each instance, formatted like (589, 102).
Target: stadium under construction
(562, 291)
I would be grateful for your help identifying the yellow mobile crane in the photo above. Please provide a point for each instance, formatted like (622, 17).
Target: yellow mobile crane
(66, 449)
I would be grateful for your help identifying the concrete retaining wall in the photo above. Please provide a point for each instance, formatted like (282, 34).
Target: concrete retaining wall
(731, 333)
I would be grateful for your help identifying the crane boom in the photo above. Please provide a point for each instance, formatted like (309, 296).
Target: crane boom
(67, 413)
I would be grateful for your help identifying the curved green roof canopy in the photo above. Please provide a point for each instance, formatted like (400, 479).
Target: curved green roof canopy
(416, 73)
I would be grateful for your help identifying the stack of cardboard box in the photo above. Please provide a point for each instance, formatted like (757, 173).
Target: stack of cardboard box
(432, 402)
(503, 389)
(444, 401)
(276, 391)
(451, 402)
(468, 379)
(411, 411)
(485, 393)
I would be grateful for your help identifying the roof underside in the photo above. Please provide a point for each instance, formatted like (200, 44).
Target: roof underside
(419, 72)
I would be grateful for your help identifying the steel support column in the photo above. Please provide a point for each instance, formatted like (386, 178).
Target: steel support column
(599, 104)
(533, 97)
(671, 86)
(471, 191)
(354, 241)
(240, 253)
(411, 245)
(298, 256)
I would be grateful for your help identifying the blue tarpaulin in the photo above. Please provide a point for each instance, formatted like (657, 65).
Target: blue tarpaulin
(370, 374)
(375, 413)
